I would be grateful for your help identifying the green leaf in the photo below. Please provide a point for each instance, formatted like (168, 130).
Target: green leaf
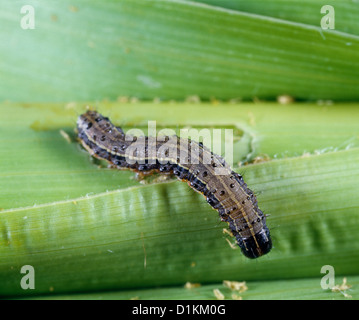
(302, 11)
(299, 289)
(169, 49)
(81, 233)
(86, 228)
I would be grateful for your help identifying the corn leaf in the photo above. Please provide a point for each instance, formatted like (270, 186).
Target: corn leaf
(87, 228)
(169, 49)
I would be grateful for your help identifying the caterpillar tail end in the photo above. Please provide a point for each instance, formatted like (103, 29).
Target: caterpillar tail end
(257, 245)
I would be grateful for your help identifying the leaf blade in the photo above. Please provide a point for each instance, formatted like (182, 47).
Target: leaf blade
(171, 50)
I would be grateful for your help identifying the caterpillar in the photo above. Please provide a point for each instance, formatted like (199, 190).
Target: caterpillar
(189, 161)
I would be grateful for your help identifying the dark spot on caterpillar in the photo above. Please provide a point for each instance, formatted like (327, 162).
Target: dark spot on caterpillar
(195, 185)
(238, 208)
(142, 167)
(180, 172)
(221, 211)
(212, 201)
(118, 162)
(165, 168)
